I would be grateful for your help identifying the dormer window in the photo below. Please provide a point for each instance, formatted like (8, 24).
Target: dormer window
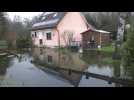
(35, 34)
(55, 15)
(44, 17)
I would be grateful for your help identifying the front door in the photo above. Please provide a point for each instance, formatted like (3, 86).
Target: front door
(41, 42)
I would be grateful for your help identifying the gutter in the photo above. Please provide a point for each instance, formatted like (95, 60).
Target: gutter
(58, 36)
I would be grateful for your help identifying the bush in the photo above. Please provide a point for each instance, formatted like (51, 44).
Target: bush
(128, 48)
(23, 42)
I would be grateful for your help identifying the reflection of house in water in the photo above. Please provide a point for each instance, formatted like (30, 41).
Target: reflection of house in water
(61, 59)
(52, 58)
(64, 59)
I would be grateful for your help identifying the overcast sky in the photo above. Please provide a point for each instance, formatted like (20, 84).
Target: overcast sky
(23, 14)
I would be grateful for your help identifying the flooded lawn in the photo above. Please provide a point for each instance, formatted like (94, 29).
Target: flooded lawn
(47, 68)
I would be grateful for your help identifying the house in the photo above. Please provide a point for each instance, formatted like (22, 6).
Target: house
(66, 29)
(93, 38)
(59, 29)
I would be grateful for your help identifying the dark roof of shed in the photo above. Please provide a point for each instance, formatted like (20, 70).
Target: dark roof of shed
(49, 23)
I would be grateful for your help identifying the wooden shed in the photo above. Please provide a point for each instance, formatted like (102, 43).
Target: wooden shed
(93, 38)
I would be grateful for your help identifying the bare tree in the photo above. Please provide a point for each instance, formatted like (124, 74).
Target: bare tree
(67, 36)
(11, 37)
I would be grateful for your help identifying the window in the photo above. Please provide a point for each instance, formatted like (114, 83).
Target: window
(32, 35)
(41, 41)
(48, 17)
(49, 36)
(41, 51)
(35, 34)
(43, 18)
(55, 15)
(50, 59)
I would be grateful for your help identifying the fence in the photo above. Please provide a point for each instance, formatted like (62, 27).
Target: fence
(75, 43)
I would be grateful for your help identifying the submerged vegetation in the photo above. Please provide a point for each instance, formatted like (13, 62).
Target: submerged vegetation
(99, 58)
(109, 60)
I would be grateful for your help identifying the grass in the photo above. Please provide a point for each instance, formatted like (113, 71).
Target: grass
(108, 49)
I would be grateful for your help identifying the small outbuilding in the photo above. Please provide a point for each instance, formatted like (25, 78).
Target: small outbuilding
(94, 38)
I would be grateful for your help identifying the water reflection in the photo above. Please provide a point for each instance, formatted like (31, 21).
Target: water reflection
(88, 61)
(65, 59)
(98, 65)
(61, 59)
(4, 64)
(37, 68)
(128, 72)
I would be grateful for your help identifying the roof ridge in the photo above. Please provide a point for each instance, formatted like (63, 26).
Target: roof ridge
(89, 25)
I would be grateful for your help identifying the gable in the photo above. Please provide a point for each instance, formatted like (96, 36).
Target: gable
(73, 21)
(74, 16)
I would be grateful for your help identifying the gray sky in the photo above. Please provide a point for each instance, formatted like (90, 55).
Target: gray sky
(23, 14)
(27, 14)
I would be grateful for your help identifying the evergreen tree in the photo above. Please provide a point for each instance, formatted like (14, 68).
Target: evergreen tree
(128, 53)
(3, 25)
(128, 48)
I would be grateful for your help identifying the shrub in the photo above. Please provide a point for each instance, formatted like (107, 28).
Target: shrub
(23, 42)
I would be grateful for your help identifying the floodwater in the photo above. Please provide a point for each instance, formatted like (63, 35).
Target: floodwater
(36, 68)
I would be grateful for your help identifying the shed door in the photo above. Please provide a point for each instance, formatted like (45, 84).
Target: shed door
(91, 42)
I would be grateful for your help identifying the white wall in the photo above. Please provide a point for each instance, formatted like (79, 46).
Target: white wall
(41, 34)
